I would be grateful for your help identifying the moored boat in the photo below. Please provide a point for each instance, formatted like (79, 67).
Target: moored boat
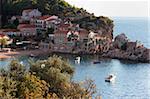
(110, 78)
(77, 60)
(96, 62)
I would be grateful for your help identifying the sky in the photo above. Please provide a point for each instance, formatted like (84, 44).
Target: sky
(113, 8)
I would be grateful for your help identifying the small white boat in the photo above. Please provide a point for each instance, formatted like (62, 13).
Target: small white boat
(110, 78)
(77, 60)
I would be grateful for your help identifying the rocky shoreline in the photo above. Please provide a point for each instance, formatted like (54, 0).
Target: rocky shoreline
(123, 55)
(113, 54)
(121, 48)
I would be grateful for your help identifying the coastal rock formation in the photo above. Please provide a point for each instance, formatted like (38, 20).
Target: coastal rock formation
(124, 49)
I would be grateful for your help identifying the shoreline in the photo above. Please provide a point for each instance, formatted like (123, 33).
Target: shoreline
(38, 52)
(11, 54)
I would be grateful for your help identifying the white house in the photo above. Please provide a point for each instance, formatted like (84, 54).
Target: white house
(47, 21)
(27, 29)
(10, 32)
(30, 13)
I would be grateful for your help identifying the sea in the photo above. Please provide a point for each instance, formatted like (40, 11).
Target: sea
(132, 78)
(135, 28)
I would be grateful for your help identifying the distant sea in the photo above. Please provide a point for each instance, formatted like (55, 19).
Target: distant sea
(135, 28)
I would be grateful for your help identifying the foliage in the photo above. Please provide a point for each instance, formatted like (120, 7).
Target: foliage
(16, 22)
(3, 42)
(46, 79)
(10, 26)
(124, 46)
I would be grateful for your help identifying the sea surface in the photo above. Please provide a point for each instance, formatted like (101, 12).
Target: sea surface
(132, 79)
(135, 28)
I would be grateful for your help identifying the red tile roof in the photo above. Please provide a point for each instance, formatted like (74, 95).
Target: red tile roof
(44, 17)
(10, 30)
(26, 26)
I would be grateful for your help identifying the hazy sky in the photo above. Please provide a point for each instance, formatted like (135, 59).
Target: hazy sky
(111, 8)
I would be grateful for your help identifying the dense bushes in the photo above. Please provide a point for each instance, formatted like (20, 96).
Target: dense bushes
(47, 79)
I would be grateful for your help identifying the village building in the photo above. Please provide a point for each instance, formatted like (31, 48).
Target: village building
(45, 45)
(10, 32)
(27, 29)
(47, 21)
(52, 21)
(30, 13)
(60, 35)
(68, 36)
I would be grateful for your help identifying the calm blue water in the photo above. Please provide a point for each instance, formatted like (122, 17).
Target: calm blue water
(135, 28)
(133, 79)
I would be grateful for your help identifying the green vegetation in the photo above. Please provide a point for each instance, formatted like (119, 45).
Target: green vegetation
(45, 79)
(3, 42)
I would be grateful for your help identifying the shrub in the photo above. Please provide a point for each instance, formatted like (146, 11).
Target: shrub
(46, 79)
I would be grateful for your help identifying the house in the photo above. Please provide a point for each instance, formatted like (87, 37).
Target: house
(45, 46)
(47, 21)
(83, 34)
(30, 13)
(10, 32)
(27, 29)
(52, 21)
(60, 36)
(66, 31)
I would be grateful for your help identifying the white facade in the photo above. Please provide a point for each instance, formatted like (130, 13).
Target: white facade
(47, 22)
(28, 31)
(30, 13)
(10, 32)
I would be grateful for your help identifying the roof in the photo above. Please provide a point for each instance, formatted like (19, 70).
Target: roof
(64, 25)
(52, 18)
(44, 17)
(10, 30)
(26, 26)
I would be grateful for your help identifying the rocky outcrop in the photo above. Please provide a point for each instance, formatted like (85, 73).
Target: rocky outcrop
(124, 49)
(120, 54)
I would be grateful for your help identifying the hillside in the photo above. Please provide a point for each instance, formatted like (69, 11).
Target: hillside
(63, 10)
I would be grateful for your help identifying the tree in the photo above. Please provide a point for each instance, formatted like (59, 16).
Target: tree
(16, 22)
(3, 42)
(45, 79)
